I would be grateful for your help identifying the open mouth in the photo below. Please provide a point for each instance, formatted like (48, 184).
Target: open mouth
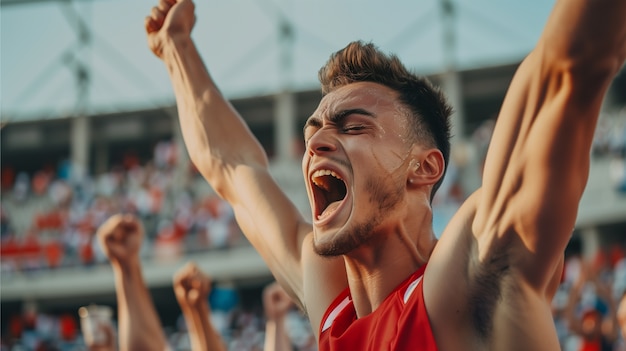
(329, 191)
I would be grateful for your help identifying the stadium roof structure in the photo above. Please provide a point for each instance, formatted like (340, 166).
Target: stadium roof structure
(65, 57)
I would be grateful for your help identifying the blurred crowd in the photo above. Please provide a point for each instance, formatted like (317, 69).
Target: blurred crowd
(241, 329)
(590, 303)
(49, 219)
(211, 318)
(585, 311)
(610, 143)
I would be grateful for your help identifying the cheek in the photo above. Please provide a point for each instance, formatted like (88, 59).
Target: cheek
(391, 163)
(383, 152)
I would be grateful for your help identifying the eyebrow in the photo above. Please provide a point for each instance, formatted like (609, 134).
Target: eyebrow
(338, 117)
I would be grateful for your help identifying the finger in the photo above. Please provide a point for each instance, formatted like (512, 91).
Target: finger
(206, 284)
(150, 25)
(181, 281)
(108, 225)
(129, 219)
(187, 268)
(131, 223)
(178, 278)
(194, 282)
(185, 275)
(181, 293)
(179, 289)
(118, 234)
(198, 285)
(109, 241)
(203, 280)
(157, 16)
(193, 295)
(182, 273)
(165, 5)
(184, 285)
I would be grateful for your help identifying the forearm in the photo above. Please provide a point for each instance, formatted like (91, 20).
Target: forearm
(139, 324)
(233, 162)
(276, 337)
(589, 34)
(216, 136)
(201, 332)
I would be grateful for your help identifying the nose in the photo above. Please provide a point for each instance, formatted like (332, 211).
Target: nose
(321, 142)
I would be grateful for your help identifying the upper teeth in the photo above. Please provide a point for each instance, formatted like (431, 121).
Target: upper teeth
(323, 172)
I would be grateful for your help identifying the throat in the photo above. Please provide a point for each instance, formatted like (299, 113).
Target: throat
(370, 287)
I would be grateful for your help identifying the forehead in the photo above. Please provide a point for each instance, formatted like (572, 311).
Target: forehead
(366, 95)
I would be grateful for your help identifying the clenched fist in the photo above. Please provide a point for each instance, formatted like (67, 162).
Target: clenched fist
(191, 286)
(276, 301)
(170, 18)
(120, 238)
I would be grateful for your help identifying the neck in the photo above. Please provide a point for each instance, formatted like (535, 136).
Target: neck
(375, 270)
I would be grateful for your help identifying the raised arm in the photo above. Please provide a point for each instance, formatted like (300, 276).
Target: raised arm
(139, 326)
(276, 304)
(538, 161)
(192, 288)
(221, 145)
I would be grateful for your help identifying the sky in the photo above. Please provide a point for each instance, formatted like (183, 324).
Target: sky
(239, 42)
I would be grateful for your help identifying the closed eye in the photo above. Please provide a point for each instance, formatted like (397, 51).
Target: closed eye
(352, 128)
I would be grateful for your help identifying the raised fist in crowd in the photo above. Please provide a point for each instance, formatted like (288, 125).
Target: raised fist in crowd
(120, 238)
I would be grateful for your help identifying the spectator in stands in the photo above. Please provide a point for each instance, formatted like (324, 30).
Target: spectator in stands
(121, 237)
(591, 311)
(66, 219)
(192, 288)
(276, 305)
(370, 185)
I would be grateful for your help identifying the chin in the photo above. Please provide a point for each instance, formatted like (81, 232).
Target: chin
(329, 250)
(343, 241)
(327, 246)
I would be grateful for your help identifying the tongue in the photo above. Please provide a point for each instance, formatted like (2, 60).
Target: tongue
(329, 210)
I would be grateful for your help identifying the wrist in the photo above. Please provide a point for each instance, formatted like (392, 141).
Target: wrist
(201, 305)
(174, 43)
(278, 321)
(127, 267)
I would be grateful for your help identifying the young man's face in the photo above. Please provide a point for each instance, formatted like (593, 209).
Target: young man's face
(355, 165)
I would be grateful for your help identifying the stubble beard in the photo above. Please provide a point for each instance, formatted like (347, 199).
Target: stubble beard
(385, 196)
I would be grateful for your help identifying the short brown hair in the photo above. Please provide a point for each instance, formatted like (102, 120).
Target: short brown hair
(364, 62)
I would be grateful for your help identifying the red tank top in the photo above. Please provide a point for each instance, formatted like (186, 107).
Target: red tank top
(399, 323)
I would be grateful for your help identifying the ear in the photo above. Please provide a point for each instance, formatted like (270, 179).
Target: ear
(426, 168)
